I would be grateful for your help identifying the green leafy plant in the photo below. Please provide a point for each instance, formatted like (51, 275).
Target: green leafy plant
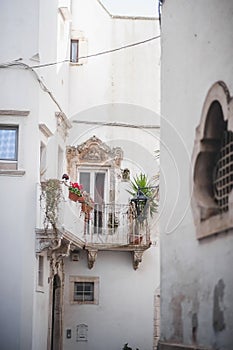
(148, 188)
(76, 188)
(51, 197)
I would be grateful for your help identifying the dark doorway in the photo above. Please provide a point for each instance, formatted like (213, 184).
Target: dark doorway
(56, 314)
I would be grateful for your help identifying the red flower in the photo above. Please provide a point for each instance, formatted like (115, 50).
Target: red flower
(75, 188)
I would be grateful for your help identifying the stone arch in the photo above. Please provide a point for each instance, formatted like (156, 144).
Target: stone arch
(215, 123)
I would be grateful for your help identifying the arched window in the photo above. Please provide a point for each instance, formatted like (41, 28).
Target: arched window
(213, 164)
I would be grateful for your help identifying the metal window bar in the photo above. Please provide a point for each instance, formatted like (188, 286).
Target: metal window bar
(83, 291)
(223, 172)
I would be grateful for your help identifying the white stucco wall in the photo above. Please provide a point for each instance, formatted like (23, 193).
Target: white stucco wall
(124, 295)
(196, 52)
(24, 34)
(120, 87)
(18, 91)
(37, 28)
(117, 77)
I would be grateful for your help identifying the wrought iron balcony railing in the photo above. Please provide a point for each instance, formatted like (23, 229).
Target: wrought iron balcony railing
(106, 224)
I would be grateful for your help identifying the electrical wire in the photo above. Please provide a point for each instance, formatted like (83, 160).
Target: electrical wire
(125, 125)
(100, 53)
(41, 83)
(22, 65)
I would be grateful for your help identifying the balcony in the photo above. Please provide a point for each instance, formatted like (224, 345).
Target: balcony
(106, 227)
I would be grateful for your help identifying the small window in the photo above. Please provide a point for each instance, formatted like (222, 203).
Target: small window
(40, 274)
(74, 51)
(42, 161)
(8, 143)
(78, 49)
(84, 290)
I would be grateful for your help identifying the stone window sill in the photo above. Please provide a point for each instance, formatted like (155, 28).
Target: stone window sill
(215, 224)
(12, 172)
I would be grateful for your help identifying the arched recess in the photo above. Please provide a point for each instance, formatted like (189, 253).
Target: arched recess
(210, 171)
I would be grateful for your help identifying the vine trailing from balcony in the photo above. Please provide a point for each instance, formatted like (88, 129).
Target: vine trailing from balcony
(50, 199)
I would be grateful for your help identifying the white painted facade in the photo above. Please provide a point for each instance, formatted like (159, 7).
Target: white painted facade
(196, 284)
(45, 104)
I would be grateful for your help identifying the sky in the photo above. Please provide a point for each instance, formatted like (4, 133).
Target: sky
(132, 7)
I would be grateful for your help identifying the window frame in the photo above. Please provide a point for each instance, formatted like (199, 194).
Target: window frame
(77, 42)
(14, 118)
(40, 273)
(93, 171)
(11, 163)
(83, 294)
(84, 279)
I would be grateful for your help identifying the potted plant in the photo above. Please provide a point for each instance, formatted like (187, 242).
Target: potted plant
(75, 192)
(148, 188)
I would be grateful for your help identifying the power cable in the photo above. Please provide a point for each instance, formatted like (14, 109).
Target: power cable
(100, 53)
(19, 64)
(42, 85)
(119, 124)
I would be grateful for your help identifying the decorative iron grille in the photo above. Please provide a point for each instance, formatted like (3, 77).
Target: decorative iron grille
(223, 172)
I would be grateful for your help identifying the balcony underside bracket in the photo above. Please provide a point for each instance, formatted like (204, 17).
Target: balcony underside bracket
(137, 258)
(91, 257)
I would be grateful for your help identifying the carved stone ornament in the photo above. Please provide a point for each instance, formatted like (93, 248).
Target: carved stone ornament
(93, 151)
(137, 258)
(91, 257)
(63, 124)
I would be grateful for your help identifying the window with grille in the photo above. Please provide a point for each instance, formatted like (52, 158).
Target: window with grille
(213, 165)
(223, 173)
(83, 291)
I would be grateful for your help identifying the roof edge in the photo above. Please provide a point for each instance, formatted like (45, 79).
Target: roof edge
(149, 18)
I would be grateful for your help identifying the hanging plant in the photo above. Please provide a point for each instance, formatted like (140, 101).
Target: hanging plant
(50, 199)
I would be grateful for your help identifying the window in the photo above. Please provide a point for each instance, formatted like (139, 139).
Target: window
(78, 48)
(74, 50)
(9, 146)
(42, 161)
(84, 290)
(94, 183)
(40, 271)
(223, 172)
(213, 165)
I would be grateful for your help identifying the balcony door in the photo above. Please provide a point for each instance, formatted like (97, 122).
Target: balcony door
(94, 182)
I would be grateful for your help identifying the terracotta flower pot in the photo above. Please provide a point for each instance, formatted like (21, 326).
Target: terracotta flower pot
(74, 197)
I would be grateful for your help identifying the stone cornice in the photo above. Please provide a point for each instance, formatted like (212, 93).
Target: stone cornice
(63, 124)
(45, 130)
(13, 113)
